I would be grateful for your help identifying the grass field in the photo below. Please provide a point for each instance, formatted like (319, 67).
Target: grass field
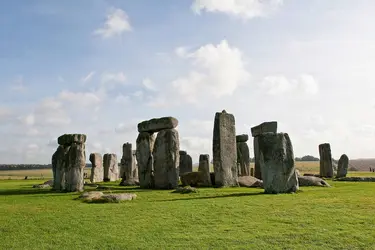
(341, 217)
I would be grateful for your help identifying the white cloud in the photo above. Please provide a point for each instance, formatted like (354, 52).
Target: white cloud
(120, 98)
(245, 9)
(279, 84)
(88, 77)
(276, 85)
(5, 113)
(108, 77)
(308, 84)
(217, 69)
(181, 51)
(117, 23)
(148, 84)
(79, 99)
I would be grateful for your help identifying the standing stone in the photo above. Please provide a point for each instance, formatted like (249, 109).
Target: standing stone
(135, 168)
(265, 127)
(110, 165)
(128, 165)
(186, 163)
(343, 165)
(76, 162)
(59, 175)
(276, 159)
(166, 159)
(225, 150)
(96, 167)
(204, 167)
(54, 163)
(326, 168)
(145, 146)
(243, 155)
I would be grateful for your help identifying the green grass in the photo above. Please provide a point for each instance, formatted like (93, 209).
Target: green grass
(341, 217)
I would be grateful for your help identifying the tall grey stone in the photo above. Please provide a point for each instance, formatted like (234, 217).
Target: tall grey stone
(186, 163)
(225, 150)
(145, 146)
(111, 169)
(204, 167)
(265, 127)
(276, 159)
(76, 162)
(128, 165)
(157, 124)
(343, 165)
(166, 159)
(243, 159)
(97, 174)
(135, 168)
(326, 168)
(59, 175)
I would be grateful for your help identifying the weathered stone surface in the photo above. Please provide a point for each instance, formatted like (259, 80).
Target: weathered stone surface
(68, 139)
(166, 159)
(128, 166)
(242, 138)
(109, 198)
(41, 186)
(60, 157)
(97, 174)
(326, 168)
(343, 165)
(249, 181)
(135, 170)
(277, 163)
(307, 181)
(265, 127)
(195, 179)
(90, 196)
(204, 168)
(145, 145)
(76, 162)
(157, 124)
(49, 182)
(358, 179)
(185, 190)
(225, 150)
(257, 169)
(186, 163)
(243, 159)
(110, 165)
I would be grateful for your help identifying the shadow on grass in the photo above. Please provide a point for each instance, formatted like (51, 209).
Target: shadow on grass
(213, 197)
(27, 191)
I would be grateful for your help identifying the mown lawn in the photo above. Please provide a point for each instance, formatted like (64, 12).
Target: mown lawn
(341, 217)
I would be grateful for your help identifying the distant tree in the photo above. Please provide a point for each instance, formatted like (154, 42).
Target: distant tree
(307, 158)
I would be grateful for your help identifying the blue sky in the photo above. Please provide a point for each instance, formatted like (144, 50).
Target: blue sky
(100, 67)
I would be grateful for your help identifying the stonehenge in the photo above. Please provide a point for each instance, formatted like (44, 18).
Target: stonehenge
(68, 163)
(97, 174)
(265, 127)
(225, 150)
(204, 168)
(342, 168)
(276, 159)
(326, 168)
(145, 160)
(243, 155)
(111, 169)
(186, 163)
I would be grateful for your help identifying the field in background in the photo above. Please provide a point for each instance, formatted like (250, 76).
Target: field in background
(302, 166)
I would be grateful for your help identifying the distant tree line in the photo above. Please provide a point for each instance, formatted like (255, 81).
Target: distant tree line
(306, 158)
(29, 166)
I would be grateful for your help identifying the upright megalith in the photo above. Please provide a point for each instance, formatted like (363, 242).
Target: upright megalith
(145, 145)
(166, 159)
(128, 166)
(225, 150)
(69, 160)
(265, 127)
(326, 168)
(343, 165)
(186, 163)
(276, 160)
(111, 169)
(97, 174)
(135, 169)
(243, 155)
(204, 167)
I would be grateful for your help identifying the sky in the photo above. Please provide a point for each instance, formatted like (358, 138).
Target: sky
(100, 67)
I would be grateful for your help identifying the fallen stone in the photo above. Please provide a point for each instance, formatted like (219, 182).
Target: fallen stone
(166, 159)
(49, 182)
(225, 150)
(145, 160)
(116, 198)
(326, 168)
(90, 196)
(185, 190)
(97, 171)
(265, 127)
(194, 179)
(277, 163)
(157, 124)
(307, 181)
(357, 179)
(342, 169)
(249, 181)
(68, 139)
(242, 138)
(42, 186)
